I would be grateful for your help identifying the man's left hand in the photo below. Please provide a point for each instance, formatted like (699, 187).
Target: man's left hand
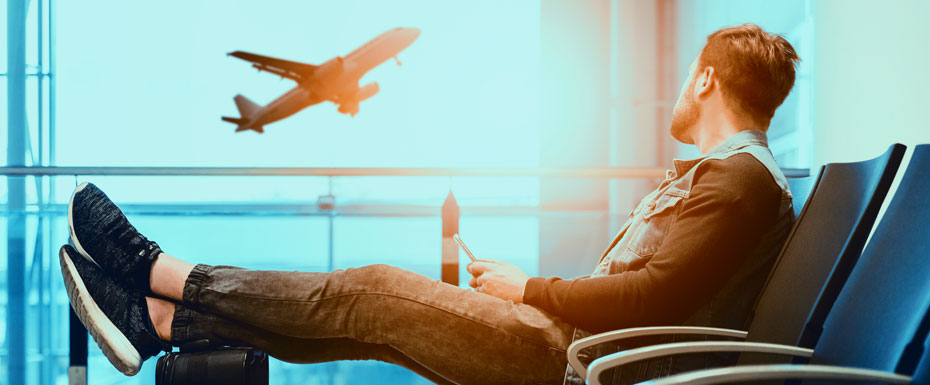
(500, 279)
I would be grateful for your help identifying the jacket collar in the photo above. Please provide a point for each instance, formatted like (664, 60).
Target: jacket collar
(736, 141)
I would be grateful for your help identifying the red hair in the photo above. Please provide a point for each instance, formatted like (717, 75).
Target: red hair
(755, 69)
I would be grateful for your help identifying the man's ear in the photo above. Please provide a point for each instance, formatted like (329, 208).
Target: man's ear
(705, 82)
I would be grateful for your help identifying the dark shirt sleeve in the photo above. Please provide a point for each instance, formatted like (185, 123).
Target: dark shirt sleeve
(732, 203)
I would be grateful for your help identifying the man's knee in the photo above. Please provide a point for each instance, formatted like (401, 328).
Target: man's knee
(377, 269)
(376, 275)
(389, 279)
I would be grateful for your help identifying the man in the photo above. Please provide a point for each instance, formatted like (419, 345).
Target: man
(695, 251)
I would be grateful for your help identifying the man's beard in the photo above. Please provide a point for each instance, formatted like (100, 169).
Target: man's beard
(685, 116)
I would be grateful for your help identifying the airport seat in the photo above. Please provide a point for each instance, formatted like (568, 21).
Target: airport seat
(800, 191)
(877, 326)
(832, 226)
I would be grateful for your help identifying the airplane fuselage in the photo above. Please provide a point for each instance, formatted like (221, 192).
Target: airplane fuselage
(335, 80)
(284, 106)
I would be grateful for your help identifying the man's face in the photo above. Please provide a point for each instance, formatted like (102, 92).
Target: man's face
(686, 112)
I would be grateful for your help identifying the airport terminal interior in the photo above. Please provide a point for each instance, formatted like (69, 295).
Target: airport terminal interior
(531, 127)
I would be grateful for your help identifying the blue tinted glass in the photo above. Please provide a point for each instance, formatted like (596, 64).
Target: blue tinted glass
(466, 94)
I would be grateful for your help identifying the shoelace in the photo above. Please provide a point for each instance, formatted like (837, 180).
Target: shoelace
(136, 245)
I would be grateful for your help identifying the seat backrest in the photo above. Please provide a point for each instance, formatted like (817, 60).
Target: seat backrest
(800, 190)
(880, 309)
(833, 225)
(831, 290)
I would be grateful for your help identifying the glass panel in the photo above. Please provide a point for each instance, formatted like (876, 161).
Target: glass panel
(44, 300)
(3, 109)
(468, 191)
(32, 37)
(412, 243)
(32, 120)
(45, 112)
(3, 32)
(496, 191)
(46, 34)
(398, 190)
(153, 96)
(256, 242)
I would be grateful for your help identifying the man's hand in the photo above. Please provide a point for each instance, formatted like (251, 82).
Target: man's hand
(500, 279)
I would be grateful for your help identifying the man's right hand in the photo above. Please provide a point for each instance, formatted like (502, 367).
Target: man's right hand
(500, 279)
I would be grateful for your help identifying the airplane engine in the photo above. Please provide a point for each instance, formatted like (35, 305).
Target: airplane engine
(367, 91)
(329, 70)
(350, 108)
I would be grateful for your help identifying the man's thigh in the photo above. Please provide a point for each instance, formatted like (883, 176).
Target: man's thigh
(463, 335)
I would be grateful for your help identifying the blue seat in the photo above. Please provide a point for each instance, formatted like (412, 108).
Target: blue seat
(831, 231)
(801, 190)
(832, 225)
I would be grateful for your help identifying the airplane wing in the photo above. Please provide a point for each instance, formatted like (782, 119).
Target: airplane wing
(283, 68)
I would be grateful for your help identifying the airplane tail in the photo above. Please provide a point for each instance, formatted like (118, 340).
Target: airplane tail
(237, 121)
(246, 108)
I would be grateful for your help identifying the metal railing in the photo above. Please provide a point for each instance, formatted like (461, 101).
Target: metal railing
(542, 172)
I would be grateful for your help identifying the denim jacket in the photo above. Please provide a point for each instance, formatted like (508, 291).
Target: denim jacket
(645, 230)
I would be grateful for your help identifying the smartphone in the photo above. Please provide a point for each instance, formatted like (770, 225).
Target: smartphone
(462, 244)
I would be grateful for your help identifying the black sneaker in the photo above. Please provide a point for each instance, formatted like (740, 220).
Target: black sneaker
(102, 234)
(115, 316)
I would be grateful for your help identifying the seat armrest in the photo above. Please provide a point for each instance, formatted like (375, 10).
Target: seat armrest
(616, 335)
(622, 358)
(741, 374)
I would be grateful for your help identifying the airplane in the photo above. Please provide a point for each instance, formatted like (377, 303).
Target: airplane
(335, 80)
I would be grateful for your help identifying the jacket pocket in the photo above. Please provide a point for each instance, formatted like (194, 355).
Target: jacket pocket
(628, 260)
(657, 217)
(664, 204)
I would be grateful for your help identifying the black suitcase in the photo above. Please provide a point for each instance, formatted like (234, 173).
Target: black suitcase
(226, 365)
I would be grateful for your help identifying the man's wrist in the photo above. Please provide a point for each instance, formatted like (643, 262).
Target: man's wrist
(531, 289)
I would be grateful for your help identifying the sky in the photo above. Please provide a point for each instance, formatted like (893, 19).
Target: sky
(146, 84)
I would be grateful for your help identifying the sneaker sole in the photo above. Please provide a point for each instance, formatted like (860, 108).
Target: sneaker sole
(114, 344)
(74, 238)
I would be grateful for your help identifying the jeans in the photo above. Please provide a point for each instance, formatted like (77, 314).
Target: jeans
(442, 332)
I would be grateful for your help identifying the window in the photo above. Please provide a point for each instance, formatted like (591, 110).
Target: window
(144, 84)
